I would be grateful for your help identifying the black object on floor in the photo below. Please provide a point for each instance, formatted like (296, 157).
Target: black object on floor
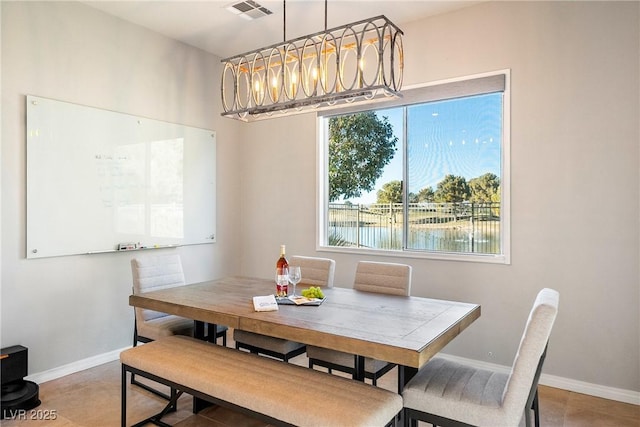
(17, 395)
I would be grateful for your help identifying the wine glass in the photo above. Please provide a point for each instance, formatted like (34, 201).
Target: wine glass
(294, 277)
(282, 282)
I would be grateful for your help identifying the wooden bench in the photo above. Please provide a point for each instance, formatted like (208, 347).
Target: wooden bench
(277, 392)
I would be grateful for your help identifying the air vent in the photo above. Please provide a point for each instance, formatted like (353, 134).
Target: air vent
(249, 9)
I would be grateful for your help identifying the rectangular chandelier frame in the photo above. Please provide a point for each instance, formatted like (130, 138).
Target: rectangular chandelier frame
(355, 63)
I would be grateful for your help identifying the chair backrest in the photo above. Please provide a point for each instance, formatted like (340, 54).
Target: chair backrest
(152, 273)
(315, 271)
(530, 353)
(383, 277)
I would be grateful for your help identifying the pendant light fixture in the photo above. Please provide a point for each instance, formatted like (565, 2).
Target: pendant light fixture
(358, 62)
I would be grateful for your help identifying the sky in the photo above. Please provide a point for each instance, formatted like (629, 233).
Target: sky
(461, 136)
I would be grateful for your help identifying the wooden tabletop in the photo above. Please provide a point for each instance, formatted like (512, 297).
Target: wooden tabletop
(403, 330)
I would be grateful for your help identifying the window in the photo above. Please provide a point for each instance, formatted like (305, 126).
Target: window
(424, 176)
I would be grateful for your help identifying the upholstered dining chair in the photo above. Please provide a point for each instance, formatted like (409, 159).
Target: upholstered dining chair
(315, 272)
(152, 273)
(380, 277)
(448, 393)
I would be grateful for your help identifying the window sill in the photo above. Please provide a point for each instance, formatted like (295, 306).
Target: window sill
(441, 256)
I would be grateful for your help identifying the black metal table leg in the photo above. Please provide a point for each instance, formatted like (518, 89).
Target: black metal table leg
(199, 333)
(405, 373)
(212, 332)
(198, 330)
(358, 373)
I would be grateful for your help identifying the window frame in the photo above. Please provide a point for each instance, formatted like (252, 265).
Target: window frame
(452, 88)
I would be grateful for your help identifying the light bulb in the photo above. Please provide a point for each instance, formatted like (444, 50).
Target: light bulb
(294, 85)
(274, 88)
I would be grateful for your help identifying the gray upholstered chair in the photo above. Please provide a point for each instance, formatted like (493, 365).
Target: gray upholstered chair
(380, 277)
(315, 272)
(448, 393)
(152, 273)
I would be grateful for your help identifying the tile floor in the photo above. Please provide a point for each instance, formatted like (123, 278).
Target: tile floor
(91, 398)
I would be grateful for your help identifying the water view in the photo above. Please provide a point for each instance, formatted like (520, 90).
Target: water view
(442, 227)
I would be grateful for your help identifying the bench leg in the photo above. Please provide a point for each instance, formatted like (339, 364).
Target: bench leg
(155, 419)
(151, 389)
(199, 404)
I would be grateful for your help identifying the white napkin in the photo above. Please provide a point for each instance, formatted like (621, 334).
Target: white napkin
(265, 303)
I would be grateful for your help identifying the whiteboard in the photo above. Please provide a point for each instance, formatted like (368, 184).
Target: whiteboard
(97, 179)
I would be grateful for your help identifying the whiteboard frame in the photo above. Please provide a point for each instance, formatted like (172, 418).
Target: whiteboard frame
(98, 180)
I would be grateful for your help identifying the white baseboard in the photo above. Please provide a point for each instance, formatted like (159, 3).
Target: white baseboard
(612, 393)
(74, 367)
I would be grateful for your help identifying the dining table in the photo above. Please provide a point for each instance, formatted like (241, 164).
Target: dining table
(404, 330)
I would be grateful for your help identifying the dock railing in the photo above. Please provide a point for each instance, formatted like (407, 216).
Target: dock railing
(449, 227)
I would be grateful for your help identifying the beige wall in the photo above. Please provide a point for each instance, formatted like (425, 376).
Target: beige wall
(67, 309)
(574, 182)
(574, 160)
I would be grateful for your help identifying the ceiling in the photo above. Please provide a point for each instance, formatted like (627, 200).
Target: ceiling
(208, 24)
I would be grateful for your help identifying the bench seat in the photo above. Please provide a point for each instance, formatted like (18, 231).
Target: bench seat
(286, 393)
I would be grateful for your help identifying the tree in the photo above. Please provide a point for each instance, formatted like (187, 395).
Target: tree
(391, 192)
(360, 146)
(452, 189)
(425, 195)
(485, 188)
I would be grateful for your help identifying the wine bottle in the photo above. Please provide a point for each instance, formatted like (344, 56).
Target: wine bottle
(282, 261)
(282, 287)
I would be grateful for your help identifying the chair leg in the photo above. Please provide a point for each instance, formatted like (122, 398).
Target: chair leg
(135, 343)
(536, 410)
(535, 407)
(123, 397)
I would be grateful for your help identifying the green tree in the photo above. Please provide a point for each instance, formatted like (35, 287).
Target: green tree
(452, 189)
(485, 188)
(360, 146)
(391, 192)
(425, 195)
